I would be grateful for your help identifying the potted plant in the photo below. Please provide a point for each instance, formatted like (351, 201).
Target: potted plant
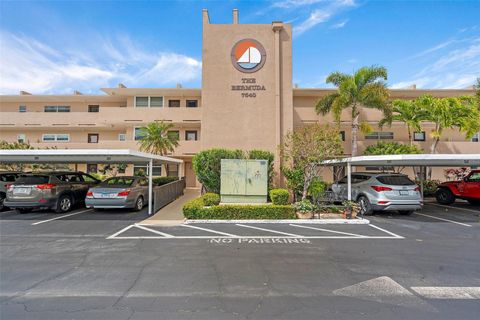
(351, 209)
(304, 209)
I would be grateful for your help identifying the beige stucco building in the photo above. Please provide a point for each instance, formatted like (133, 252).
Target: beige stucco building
(247, 101)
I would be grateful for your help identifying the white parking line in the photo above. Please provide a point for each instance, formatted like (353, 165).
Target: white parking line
(451, 207)
(386, 231)
(60, 217)
(333, 231)
(443, 219)
(269, 230)
(166, 235)
(448, 292)
(209, 230)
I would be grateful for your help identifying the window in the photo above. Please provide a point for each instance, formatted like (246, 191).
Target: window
(156, 102)
(94, 108)
(21, 137)
(8, 177)
(379, 135)
(93, 138)
(143, 170)
(92, 168)
(342, 135)
(419, 136)
(192, 103)
(474, 177)
(56, 109)
(396, 180)
(174, 134)
(172, 170)
(174, 103)
(475, 137)
(138, 133)
(143, 182)
(122, 137)
(50, 137)
(190, 135)
(22, 108)
(118, 181)
(141, 102)
(88, 178)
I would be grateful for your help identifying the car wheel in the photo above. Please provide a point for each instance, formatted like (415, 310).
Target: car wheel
(444, 196)
(474, 202)
(64, 204)
(138, 204)
(365, 206)
(406, 212)
(24, 210)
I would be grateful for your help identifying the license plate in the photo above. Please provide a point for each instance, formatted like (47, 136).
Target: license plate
(21, 190)
(404, 193)
(107, 195)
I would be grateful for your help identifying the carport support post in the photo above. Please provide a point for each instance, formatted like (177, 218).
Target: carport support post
(349, 181)
(150, 186)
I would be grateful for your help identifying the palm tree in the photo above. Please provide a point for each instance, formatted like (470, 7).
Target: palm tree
(447, 113)
(155, 138)
(477, 94)
(408, 112)
(365, 88)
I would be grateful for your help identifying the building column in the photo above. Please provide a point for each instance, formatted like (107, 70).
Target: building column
(277, 28)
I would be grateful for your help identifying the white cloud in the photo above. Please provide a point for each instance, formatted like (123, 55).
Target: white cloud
(457, 67)
(322, 14)
(339, 25)
(287, 4)
(28, 64)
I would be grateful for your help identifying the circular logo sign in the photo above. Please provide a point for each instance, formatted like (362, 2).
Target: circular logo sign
(248, 55)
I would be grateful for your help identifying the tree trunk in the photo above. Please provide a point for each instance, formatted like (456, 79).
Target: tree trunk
(410, 135)
(355, 127)
(433, 150)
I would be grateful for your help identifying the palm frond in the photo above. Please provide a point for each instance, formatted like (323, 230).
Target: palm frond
(324, 105)
(336, 78)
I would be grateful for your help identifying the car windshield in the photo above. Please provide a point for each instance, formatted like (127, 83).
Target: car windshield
(396, 180)
(32, 179)
(118, 182)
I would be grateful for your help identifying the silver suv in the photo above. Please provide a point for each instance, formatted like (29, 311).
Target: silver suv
(381, 192)
(59, 191)
(6, 179)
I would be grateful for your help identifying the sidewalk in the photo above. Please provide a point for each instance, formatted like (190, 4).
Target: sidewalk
(172, 214)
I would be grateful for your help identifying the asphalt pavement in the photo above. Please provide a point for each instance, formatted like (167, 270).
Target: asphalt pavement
(107, 265)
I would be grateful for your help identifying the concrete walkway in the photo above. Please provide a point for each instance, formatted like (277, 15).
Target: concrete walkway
(172, 214)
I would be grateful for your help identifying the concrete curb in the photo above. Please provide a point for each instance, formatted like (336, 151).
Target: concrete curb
(296, 221)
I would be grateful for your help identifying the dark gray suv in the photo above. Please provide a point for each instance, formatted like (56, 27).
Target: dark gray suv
(59, 191)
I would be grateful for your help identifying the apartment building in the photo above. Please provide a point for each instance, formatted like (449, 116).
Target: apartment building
(247, 101)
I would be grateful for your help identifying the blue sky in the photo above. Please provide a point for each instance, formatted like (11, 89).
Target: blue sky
(57, 47)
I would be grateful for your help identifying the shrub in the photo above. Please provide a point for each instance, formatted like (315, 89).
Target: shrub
(382, 148)
(429, 187)
(195, 210)
(211, 199)
(98, 176)
(159, 181)
(207, 165)
(279, 196)
(304, 206)
(295, 180)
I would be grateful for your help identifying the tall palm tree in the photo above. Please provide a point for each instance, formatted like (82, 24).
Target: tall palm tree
(408, 112)
(448, 113)
(365, 88)
(155, 138)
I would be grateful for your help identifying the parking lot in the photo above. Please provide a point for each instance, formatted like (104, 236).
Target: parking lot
(108, 265)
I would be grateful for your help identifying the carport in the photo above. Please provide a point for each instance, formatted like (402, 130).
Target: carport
(406, 160)
(102, 156)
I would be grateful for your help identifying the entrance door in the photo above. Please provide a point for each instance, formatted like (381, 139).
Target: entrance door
(190, 179)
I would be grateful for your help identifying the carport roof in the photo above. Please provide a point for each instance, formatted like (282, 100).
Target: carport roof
(83, 156)
(430, 160)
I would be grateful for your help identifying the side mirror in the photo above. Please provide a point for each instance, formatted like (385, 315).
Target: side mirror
(465, 179)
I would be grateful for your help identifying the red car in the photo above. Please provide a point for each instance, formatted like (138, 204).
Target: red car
(467, 189)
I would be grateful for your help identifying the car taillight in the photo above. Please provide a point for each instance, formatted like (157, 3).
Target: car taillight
(380, 188)
(89, 194)
(417, 189)
(45, 186)
(383, 202)
(123, 193)
(9, 186)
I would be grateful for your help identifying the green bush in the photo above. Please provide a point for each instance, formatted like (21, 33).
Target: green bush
(195, 210)
(382, 148)
(207, 165)
(211, 199)
(295, 180)
(304, 206)
(429, 187)
(279, 196)
(98, 176)
(159, 181)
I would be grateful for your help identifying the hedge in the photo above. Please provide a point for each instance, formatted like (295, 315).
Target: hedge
(194, 209)
(279, 196)
(163, 180)
(211, 199)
